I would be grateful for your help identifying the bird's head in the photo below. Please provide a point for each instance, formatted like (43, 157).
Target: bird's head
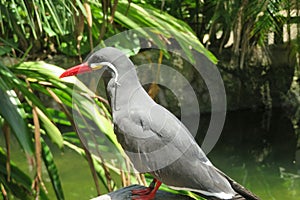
(103, 59)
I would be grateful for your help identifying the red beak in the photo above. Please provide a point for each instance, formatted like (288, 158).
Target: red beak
(78, 69)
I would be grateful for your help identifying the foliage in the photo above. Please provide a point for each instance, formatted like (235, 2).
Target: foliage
(79, 31)
(24, 87)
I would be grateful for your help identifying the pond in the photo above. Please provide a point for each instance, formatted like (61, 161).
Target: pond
(257, 149)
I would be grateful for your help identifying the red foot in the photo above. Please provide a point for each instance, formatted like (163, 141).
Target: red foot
(146, 193)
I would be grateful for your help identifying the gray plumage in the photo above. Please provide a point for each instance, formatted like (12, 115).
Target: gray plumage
(154, 139)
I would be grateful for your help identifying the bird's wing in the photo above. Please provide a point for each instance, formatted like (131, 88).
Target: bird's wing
(154, 138)
(157, 142)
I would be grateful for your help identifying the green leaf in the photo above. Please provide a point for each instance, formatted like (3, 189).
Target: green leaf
(85, 106)
(51, 130)
(38, 70)
(71, 137)
(142, 16)
(11, 110)
(63, 96)
(59, 117)
(54, 16)
(13, 82)
(50, 32)
(52, 170)
(20, 185)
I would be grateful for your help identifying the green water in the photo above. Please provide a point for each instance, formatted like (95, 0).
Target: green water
(257, 150)
(260, 151)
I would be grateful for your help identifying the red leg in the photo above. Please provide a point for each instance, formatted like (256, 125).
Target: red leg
(149, 195)
(145, 191)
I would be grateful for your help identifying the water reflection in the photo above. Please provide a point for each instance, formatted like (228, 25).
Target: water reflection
(259, 150)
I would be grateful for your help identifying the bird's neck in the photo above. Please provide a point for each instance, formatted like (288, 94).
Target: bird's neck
(120, 92)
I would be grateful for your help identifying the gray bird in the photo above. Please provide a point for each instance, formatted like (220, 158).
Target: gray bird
(153, 138)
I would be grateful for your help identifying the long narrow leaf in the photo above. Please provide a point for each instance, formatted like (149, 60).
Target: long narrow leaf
(14, 82)
(52, 170)
(54, 16)
(30, 21)
(20, 183)
(143, 15)
(14, 114)
(52, 131)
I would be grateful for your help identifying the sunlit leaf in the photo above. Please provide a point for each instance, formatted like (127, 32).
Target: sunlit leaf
(52, 131)
(14, 82)
(11, 110)
(143, 15)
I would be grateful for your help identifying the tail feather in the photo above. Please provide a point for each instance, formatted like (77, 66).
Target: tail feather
(242, 190)
(243, 193)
